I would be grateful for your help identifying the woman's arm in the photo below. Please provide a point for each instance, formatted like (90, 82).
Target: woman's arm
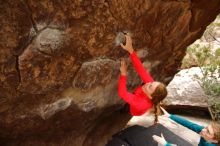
(194, 127)
(142, 72)
(182, 121)
(122, 90)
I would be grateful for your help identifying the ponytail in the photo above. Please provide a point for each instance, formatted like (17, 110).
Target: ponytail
(159, 94)
(155, 115)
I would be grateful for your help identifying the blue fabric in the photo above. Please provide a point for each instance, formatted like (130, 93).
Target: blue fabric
(167, 144)
(203, 142)
(194, 127)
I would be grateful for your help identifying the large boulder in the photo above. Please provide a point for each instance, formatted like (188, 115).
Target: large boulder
(185, 91)
(59, 65)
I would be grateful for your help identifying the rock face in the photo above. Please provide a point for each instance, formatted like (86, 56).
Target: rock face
(59, 65)
(184, 90)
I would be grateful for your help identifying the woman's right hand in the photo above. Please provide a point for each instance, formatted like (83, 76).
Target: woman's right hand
(123, 67)
(165, 113)
(128, 46)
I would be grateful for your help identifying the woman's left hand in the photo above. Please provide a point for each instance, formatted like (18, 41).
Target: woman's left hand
(161, 140)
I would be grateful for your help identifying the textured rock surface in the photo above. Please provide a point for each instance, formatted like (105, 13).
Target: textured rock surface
(59, 65)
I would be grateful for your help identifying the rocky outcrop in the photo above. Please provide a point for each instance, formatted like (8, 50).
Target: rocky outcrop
(185, 92)
(59, 65)
(185, 89)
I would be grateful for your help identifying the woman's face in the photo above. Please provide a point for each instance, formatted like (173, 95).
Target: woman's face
(208, 134)
(149, 88)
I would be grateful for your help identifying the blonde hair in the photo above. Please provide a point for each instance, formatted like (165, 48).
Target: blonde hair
(216, 127)
(157, 96)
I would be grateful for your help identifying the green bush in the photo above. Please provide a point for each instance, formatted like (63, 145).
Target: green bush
(208, 60)
(215, 108)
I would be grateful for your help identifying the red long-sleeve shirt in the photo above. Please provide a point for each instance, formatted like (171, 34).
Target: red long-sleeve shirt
(139, 102)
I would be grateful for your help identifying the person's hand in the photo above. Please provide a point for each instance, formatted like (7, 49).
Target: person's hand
(161, 140)
(128, 46)
(123, 67)
(165, 113)
(166, 122)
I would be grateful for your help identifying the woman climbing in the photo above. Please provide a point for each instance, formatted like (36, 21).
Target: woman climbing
(144, 97)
